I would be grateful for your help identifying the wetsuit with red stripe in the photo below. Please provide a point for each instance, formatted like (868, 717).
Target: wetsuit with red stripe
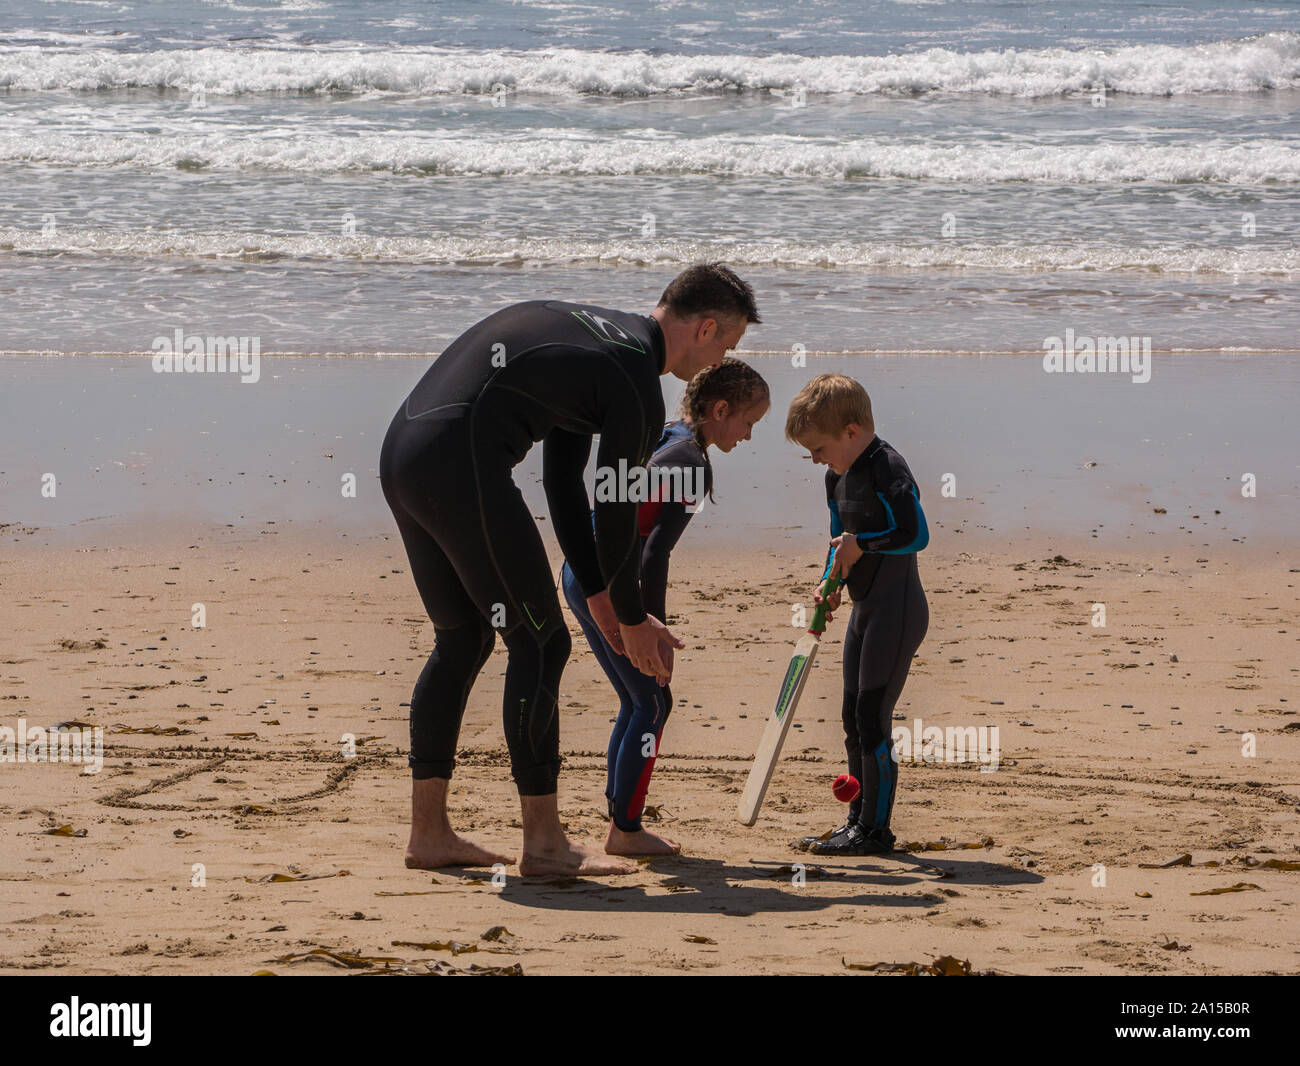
(680, 480)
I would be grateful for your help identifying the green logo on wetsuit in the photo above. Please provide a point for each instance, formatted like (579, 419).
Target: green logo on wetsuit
(605, 330)
(528, 610)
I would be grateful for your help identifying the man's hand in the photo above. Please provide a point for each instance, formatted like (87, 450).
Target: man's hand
(847, 553)
(602, 613)
(650, 646)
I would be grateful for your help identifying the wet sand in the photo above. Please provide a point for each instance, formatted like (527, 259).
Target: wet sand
(998, 446)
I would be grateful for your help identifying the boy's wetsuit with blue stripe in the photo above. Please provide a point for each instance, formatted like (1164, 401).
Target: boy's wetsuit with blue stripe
(643, 705)
(544, 370)
(877, 500)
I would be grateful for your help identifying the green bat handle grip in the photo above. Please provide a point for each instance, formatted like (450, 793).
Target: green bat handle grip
(819, 616)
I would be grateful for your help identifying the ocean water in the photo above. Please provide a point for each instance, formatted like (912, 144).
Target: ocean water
(900, 176)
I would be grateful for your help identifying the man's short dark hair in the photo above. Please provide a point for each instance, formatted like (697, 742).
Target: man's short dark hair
(710, 289)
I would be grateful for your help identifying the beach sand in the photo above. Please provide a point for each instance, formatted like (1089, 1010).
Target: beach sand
(1121, 750)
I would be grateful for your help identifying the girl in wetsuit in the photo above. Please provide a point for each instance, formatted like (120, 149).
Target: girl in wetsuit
(720, 407)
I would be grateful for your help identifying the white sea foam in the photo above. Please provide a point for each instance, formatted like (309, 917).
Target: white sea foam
(563, 151)
(627, 250)
(1251, 64)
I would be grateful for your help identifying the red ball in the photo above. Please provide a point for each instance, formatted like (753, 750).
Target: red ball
(846, 788)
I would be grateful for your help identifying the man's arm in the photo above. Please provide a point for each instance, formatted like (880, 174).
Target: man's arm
(564, 467)
(617, 537)
(610, 560)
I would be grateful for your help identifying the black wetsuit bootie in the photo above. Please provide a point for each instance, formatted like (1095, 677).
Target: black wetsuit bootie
(882, 841)
(805, 843)
(855, 841)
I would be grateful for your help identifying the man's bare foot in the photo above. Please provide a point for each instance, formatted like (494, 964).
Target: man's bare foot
(568, 858)
(641, 842)
(429, 853)
(548, 852)
(433, 842)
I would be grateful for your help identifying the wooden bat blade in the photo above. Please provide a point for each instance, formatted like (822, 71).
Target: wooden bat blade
(778, 725)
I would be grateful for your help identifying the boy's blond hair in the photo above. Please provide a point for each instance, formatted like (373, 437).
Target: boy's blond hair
(827, 405)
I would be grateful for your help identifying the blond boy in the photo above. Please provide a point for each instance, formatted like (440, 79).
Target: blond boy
(877, 527)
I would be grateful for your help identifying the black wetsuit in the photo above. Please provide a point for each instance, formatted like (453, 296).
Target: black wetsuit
(548, 371)
(877, 499)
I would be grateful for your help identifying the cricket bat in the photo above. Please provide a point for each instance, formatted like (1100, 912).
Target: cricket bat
(778, 722)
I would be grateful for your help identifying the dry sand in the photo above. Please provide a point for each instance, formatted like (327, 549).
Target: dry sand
(309, 638)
